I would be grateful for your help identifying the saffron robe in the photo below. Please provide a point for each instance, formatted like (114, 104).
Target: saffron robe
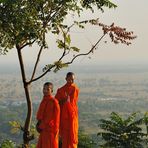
(49, 116)
(68, 98)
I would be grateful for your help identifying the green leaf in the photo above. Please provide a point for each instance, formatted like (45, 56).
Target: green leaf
(60, 43)
(59, 65)
(68, 39)
(48, 67)
(75, 49)
(15, 126)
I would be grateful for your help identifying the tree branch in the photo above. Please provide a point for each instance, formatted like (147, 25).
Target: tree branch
(35, 79)
(84, 54)
(44, 25)
(115, 33)
(64, 35)
(49, 17)
(64, 52)
(21, 47)
(37, 61)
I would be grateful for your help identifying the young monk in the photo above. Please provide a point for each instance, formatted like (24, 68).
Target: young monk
(48, 117)
(68, 98)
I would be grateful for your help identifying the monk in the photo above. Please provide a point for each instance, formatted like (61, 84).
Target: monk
(68, 98)
(48, 117)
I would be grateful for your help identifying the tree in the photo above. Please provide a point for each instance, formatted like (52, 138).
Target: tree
(123, 133)
(26, 23)
(85, 141)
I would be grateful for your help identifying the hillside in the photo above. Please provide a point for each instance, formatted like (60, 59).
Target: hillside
(102, 91)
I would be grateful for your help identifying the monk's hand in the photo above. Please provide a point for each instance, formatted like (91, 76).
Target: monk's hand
(62, 101)
(39, 130)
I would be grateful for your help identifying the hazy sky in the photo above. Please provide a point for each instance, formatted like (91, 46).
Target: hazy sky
(131, 14)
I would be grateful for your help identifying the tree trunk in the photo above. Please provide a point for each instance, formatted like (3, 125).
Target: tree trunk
(26, 135)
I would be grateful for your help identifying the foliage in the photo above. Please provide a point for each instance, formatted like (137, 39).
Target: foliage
(31, 22)
(11, 144)
(16, 128)
(25, 22)
(8, 144)
(85, 141)
(122, 133)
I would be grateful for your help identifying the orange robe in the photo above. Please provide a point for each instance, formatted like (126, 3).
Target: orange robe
(49, 115)
(69, 115)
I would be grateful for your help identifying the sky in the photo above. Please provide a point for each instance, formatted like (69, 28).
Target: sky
(130, 14)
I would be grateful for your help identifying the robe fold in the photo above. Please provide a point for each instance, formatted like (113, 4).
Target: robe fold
(69, 115)
(49, 116)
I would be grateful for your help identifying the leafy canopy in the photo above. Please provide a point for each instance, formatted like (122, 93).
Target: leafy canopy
(24, 22)
(123, 133)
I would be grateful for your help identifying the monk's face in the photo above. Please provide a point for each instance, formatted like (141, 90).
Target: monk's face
(70, 79)
(47, 90)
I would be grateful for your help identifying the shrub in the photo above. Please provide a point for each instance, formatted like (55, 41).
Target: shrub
(124, 133)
